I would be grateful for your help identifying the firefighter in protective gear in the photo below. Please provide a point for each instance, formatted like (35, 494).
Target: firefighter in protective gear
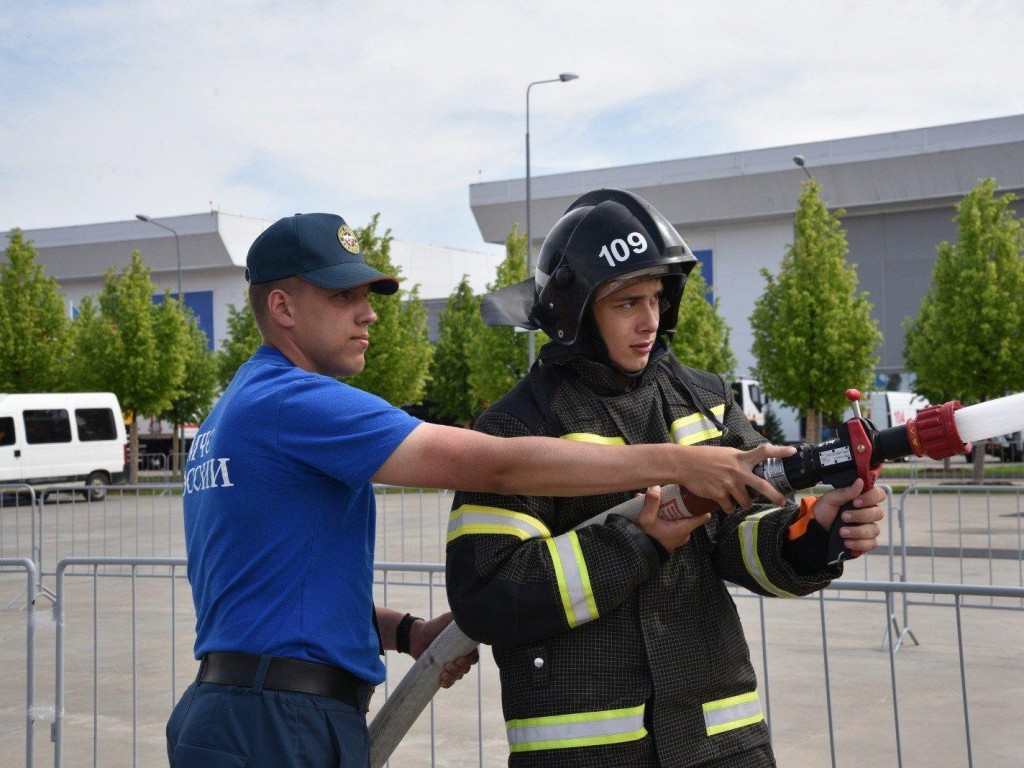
(618, 643)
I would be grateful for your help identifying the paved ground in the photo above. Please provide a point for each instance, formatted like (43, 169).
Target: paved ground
(128, 657)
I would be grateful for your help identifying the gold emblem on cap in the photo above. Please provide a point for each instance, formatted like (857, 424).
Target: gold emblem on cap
(348, 239)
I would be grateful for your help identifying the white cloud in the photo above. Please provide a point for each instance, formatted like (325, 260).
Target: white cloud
(267, 108)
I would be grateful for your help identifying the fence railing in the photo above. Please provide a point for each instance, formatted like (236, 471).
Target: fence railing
(123, 657)
(125, 627)
(12, 671)
(956, 469)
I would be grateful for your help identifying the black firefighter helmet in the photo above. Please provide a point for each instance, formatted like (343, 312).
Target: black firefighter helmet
(607, 234)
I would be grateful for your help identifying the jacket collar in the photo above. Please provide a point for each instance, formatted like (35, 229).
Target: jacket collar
(593, 368)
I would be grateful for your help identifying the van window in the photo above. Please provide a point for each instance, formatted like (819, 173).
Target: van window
(95, 424)
(6, 430)
(47, 426)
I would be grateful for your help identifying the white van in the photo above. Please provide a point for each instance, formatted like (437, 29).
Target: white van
(891, 409)
(63, 438)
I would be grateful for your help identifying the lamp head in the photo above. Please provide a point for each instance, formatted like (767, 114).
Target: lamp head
(567, 76)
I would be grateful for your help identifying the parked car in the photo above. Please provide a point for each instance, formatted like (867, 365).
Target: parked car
(1007, 447)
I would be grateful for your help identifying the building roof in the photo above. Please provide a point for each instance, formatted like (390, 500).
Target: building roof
(220, 240)
(205, 240)
(899, 170)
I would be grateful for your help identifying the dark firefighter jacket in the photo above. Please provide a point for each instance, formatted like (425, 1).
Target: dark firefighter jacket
(609, 653)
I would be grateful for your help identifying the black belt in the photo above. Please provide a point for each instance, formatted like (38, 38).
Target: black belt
(286, 675)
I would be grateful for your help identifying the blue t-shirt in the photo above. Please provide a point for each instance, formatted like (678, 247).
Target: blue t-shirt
(280, 516)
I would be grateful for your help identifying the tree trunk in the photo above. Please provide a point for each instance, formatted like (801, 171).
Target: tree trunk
(176, 452)
(812, 430)
(979, 461)
(133, 451)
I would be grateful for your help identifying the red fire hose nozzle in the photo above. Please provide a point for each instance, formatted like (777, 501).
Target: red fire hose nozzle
(933, 432)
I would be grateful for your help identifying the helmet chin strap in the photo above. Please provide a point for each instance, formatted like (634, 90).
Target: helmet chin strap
(592, 346)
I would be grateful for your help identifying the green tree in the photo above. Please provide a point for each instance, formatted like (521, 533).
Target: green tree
(448, 389)
(814, 336)
(192, 402)
(499, 356)
(773, 427)
(242, 340)
(130, 346)
(701, 339)
(398, 360)
(34, 335)
(966, 341)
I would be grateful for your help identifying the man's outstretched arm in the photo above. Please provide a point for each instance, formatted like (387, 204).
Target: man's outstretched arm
(435, 456)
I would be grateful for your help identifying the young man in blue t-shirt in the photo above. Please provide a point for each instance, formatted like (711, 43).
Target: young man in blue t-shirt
(280, 517)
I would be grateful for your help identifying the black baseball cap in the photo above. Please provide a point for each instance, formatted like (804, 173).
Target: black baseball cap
(318, 247)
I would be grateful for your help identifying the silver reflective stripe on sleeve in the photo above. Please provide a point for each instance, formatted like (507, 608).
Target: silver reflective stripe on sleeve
(573, 579)
(586, 729)
(473, 518)
(696, 428)
(734, 712)
(751, 558)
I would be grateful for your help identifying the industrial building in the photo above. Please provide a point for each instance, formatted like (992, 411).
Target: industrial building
(202, 256)
(736, 210)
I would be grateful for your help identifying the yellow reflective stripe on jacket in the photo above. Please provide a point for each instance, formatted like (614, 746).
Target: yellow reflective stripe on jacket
(696, 428)
(587, 437)
(751, 559)
(573, 579)
(474, 518)
(586, 729)
(734, 712)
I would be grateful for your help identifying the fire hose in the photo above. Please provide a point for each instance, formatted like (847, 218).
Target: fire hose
(857, 451)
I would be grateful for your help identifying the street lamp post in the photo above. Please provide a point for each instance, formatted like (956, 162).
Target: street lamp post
(178, 437)
(799, 160)
(177, 248)
(562, 78)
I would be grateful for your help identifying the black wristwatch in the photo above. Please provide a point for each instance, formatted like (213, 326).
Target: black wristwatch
(402, 636)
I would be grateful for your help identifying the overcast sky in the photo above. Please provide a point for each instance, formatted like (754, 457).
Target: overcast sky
(267, 108)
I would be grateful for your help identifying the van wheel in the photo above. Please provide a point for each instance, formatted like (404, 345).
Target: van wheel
(95, 483)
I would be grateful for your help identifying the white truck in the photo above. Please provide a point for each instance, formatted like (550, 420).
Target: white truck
(891, 409)
(50, 439)
(751, 399)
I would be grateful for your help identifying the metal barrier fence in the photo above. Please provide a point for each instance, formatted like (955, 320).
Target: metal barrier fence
(145, 520)
(18, 533)
(943, 533)
(981, 544)
(141, 659)
(964, 538)
(983, 528)
(9, 699)
(161, 467)
(956, 469)
(124, 655)
(129, 521)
